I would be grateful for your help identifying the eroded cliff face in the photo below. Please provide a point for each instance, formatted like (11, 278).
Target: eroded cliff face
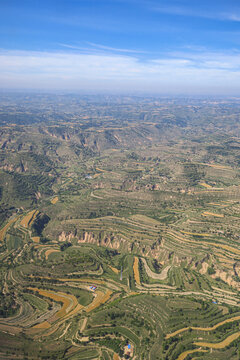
(91, 238)
(157, 252)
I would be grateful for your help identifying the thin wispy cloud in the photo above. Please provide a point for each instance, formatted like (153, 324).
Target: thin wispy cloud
(102, 48)
(232, 17)
(73, 47)
(113, 49)
(190, 12)
(208, 72)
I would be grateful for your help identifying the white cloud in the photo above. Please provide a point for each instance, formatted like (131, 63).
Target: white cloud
(112, 49)
(99, 48)
(201, 13)
(230, 16)
(186, 72)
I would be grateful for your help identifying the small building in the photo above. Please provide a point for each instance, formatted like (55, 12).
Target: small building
(128, 350)
(92, 287)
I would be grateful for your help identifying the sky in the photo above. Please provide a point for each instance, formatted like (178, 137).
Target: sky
(180, 47)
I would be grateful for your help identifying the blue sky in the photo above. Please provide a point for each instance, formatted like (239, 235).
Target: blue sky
(165, 47)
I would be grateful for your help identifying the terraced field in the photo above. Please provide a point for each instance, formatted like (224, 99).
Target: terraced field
(136, 271)
(171, 280)
(5, 228)
(29, 219)
(222, 344)
(121, 236)
(69, 301)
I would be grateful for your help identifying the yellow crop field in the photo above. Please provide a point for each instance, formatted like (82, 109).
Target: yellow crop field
(220, 167)
(69, 301)
(101, 298)
(5, 228)
(50, 251)
(29, 218)
(54, 200)
(33, 218)
(217, 204)
(168, 336)
(217, 325)
(100, 170)
(96, 175)
(220, 345)
(207, 213)
(205, 185)
(43, 325)
(197, 234)
(115, 356)
(36, 239)
(114, 269)
(136, 271)
(214, 327)
(96, 301)
(186, 353)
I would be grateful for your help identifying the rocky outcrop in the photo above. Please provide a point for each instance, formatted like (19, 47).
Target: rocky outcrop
(108, 241)
(65, 237)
